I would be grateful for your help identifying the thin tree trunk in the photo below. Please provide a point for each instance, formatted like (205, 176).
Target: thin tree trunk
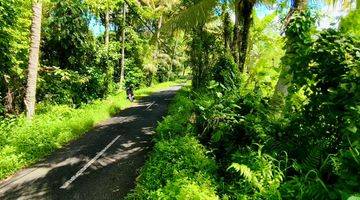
(9, 97)
(107, 28)
(158, 28)
(109, 69)
(30, 97)
(159, 25)
(123, 34)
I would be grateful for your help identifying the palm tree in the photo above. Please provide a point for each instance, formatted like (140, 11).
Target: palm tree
(30, 98)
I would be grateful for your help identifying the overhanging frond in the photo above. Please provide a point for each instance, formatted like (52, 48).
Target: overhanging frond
(194, 16)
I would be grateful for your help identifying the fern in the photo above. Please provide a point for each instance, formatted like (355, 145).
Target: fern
(312, 161)
(248, 175)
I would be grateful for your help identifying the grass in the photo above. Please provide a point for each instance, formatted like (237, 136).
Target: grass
(24, 142)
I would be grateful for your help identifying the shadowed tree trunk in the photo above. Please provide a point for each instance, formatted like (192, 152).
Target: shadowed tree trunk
(243, 20)
(123, 34)
(247, 10)
(30, 97)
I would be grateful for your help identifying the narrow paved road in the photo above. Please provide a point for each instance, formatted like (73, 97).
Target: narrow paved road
(103, 164)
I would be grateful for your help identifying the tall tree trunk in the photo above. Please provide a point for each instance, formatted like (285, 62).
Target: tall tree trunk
(247, 10)
(281, 89)
(30, 97)
(227, 31)
(109, 69)
(123, 34)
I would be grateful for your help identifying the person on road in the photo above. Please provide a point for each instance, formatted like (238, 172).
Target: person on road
(129, 91)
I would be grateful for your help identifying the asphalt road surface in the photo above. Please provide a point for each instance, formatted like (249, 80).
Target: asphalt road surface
(103, 164)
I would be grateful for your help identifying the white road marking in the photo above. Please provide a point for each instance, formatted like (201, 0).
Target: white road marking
(149, 105)
(82, 170)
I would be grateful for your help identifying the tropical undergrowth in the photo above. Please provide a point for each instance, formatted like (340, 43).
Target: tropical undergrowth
(23, 142)
(305, 146)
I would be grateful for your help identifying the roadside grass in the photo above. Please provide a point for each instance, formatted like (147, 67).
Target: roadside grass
(179, 166)
(24, 142)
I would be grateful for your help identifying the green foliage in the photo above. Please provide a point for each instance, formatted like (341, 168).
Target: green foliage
(226, 71)
(67, 41)
(351, 23)
(310, 149)
(76, 67)
(79, 70)
(14, 44)
(328, 120)
(263, 63)
(203, 46)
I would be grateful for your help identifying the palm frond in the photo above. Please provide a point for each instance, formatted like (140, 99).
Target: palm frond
(194, 16)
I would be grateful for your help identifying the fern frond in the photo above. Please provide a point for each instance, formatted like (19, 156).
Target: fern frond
(249, 176)
(312, 161)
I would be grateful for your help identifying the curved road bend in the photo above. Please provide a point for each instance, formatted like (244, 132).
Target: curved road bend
(103, 164)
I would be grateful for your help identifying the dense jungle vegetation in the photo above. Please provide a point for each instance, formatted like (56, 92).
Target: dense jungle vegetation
(273, 111)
